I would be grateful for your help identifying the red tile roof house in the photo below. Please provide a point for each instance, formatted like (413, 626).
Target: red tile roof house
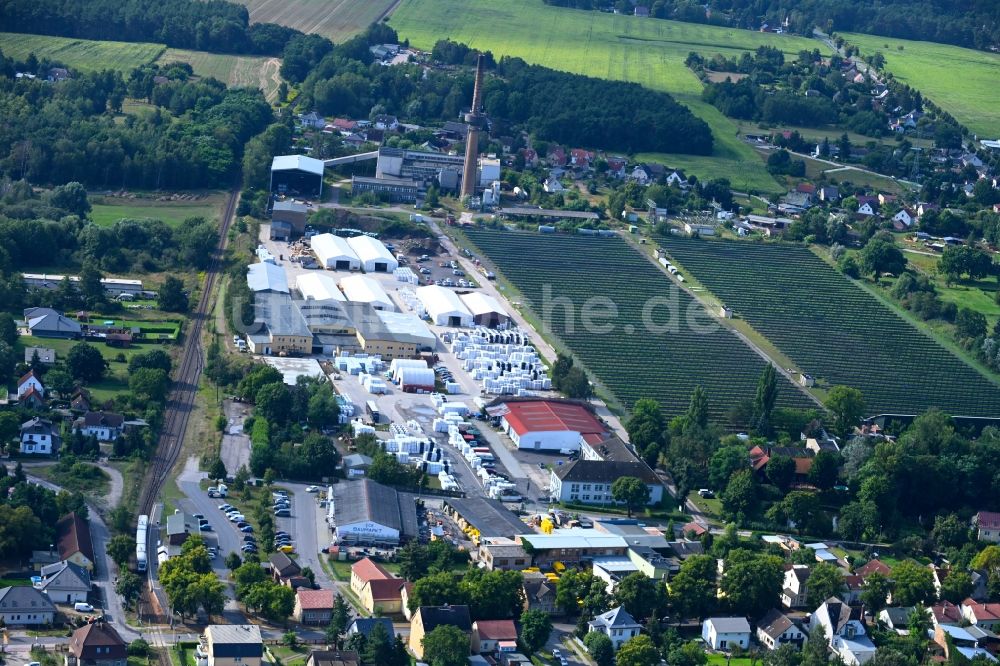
(313, 606)
(984, 616)
(97, 644)
(73, 541)
(987, 526)
(874, 566)
(377, 589)
(487, 635)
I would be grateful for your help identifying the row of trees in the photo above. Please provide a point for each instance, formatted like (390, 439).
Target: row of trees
(28, 513)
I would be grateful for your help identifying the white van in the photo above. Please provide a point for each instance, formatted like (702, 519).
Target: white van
(82, 607)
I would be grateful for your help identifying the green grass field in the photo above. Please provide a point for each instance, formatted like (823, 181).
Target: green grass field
(82, 54)
(234, 71)
(110, 210)
(337, 19)
(960, 81)
(647, 51)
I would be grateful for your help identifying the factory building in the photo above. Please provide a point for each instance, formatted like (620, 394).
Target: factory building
(334, 253)
(444, 306)
(396, 190)
(282, 329)
(362, 289)
(391, 335)
(548, 425)
(288, 218)
(486, 310)
(297, 174)
(266, 278)
(318, 287)
(425, 168)
(373, 255)
(368, 513)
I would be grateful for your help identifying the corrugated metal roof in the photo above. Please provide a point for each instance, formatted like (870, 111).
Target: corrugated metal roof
(551, 416)
(363, 501)
(281, 315)
(297, 162)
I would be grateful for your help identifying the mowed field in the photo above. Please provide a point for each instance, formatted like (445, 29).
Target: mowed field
(964, 82)
(109, 210)
(337, 19)
(646, 337)
(646, 51)
(83, 54)
(833, 329)
(235, 71)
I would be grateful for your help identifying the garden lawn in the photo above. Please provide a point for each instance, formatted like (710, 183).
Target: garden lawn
(610, 46)
(963, 82)
(84, 54)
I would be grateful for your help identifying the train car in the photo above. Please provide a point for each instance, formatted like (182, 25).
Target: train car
(141, 560)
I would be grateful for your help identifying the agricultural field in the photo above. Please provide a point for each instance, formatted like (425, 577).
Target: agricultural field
(662, 343)
(960, 81)
(83, 54)
(235, 71)
(105, 211)
(834, 330)
(337, 19)
(646, 51)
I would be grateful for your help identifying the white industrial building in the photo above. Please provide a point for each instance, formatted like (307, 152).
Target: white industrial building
(361, 289)
(334, 253)
(318, 287)
(486, 310)
(373, 255)
(444, 306)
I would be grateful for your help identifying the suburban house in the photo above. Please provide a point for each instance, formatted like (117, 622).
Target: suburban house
(39, 437)
(105, 426)
(896, 618)
(844, 630)
(867, 209)
(589, 481)
(233, 645)
(726, 633)
(73, 541)
(378, 590)
(945, 612)
(987, 524)
(428, 618)
(904, 217)
(80, 401)
(873, 567)
(65, 582)
(47, 323)
(365, 625)
(492, 635)
(333, 658)
(775, 629)
(539, 593)
(793, 591)
(970, 642)
(284, 568)
(45, 355)
(97, 644)
(28, 382)
(25, 606)
(617, 625)
(983, 615)
(313, 606)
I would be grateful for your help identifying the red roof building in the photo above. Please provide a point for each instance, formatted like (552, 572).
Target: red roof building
(550, 425)
(313, 606)
(73, 541)
(945, 612)
(874, 566)
(487, 634)
(988, 526)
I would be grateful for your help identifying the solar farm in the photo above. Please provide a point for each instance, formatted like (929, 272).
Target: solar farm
(632, 359)
(833, 329)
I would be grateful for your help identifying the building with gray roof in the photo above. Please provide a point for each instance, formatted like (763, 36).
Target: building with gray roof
(370, 513)
(65, 582)
(25, 606)
(265, 277)
(48, 323)
(487, 516)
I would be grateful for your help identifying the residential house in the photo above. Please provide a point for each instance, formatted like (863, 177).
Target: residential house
(284, 568)
(22, 606)
(693, 530)
(983, 615)
(97, 644)
(794, 589)
(589, 481)
(616, 167)
(828, 193)
(867, 209)
(970, 642)
(334, 658)
(987, 524)
(726, 633)
(313, 606)
(945, 612)
(378, 590)
(105, 426)
(29, 382)
(48, 323)
(503, 554)
(427, 618)
(556, 156)
(31, 399)
(580, 158)
(905, 217)
(490, 635)
(844, 630)
(45, 355)
(386, 123)
(345, 126)
(312, 120)
(775, 629)
(886, 199)
(364, 626)
(65, 582)
(80, 402)
(617, 625)
(552, 185)
(39, 437)
(873, 566)
(896, 618)
(853, 587)
(539, 593)
(233, 645)
(924, 208)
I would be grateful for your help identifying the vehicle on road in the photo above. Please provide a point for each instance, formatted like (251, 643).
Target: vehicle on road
(287, 548)
(198, 516)
(205, 527)
(312, 489)
(225, 507)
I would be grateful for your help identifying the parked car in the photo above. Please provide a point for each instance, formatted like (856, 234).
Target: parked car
(205, 527)
(287, 548)
(82, 607)
(312, 489)
(248, 529)
(282, 513)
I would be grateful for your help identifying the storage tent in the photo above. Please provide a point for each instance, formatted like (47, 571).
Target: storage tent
(486, 310)
(361, 289)
(373, 254)
(267, 278)
(416, 379)
(318, 287)
(444, 306)
(334, 252)
(399, 364)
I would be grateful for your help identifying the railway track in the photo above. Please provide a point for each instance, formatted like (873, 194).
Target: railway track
(180, 402)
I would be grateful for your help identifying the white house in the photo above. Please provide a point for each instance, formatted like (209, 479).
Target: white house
(617, 625)
(373, 255)
(904, 217)
(866, 209)
(987, 524)
(844, 630)
(793, 591)
(105, 426)
(726, 633)
(64, 582)
(589, 481)
(38, 437)
(28, 382)
(25, 606)
(775, 629)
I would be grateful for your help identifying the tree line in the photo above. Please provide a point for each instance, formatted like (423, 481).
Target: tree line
(214, 25)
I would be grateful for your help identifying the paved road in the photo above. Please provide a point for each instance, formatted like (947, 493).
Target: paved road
(235, 451)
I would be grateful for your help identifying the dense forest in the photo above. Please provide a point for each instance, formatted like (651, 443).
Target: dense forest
(211, 25)
(970, 23)
(556, 106)
(66, 132)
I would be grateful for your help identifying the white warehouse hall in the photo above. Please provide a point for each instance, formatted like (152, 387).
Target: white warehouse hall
(334, 253)
(444, 306)
(361, 289)
(318, 287)
(373, 254)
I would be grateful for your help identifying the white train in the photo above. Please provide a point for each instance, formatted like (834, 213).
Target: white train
(140, 543)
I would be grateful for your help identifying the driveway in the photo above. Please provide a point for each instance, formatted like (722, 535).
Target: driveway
(235, 451)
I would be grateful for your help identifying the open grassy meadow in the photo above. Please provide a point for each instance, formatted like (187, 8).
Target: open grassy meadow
(82, 54)
(106, 211)
(647, 51)
(961, 81)
(337, 19)
(235, 71)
